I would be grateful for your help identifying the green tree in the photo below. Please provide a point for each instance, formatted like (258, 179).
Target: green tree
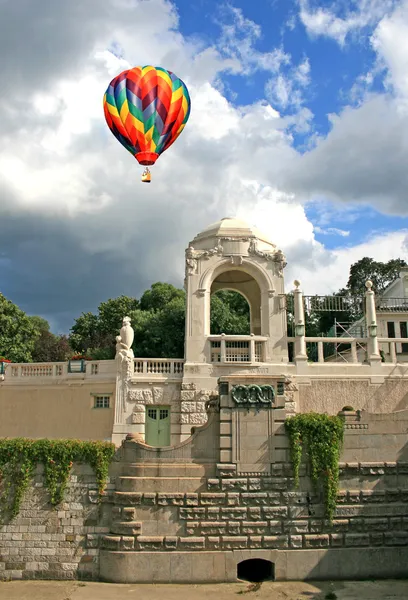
(51, 348)
(40, 324)
(160, 333)
(160, 295)
(229, 313)
(158, 321)
(381, 274)
(17, 332)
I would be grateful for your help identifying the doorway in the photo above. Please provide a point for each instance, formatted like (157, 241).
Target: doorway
(157, 426)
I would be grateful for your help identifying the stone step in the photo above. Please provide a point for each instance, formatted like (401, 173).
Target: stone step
(169, 470)
(126, 527)
(160, 484)
(117, 543)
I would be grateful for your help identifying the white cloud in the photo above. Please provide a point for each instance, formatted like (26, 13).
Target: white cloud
(286, 90)
(76, 219)
(390, 40)
(331, 231)
(239, 36)
(334, 275)
(327, 22)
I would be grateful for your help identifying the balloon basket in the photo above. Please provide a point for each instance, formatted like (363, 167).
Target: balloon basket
(146, 176)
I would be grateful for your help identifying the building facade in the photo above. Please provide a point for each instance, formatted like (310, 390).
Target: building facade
(161, 400)
(202, 486)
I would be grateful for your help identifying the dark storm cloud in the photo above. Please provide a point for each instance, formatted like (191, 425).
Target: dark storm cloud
(47, 271)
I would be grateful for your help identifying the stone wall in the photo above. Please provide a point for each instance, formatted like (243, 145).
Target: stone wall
(44, 542)
(330, 395)
(55, 408)
(180, 515)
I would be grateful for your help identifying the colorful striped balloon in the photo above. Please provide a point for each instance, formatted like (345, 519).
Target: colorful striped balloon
(146, 109)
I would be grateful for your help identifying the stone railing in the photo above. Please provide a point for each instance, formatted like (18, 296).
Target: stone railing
(331, 349)
(168, 367)
(237, 348)
(351, 350)
(20, 371)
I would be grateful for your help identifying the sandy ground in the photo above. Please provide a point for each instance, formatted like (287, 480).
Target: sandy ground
(73, 590)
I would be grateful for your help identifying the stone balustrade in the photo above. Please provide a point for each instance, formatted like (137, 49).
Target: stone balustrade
(237, 348)
(168, 367)
(23, 371)
(351, 349)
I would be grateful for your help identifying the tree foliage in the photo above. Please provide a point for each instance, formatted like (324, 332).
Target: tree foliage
(17, 332)
(381, 274)
(51, 348)
(321, 438)
(158, 319)
(229, 313)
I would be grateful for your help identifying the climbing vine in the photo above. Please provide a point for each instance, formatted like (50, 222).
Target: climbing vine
(321, 436)
(20, 456)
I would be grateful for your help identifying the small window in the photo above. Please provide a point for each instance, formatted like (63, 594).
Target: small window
(102, 402)
(391, 329)
(164, 413)
(281, 388)
(152, 413)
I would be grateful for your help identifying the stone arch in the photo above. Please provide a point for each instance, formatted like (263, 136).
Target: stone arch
(254, 289)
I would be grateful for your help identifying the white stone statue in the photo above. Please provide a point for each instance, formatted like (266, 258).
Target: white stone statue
(124, 341)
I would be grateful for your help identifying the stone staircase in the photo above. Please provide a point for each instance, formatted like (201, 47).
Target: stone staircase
(146, 502)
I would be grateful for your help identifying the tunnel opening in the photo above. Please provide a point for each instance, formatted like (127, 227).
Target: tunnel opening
(256, 570)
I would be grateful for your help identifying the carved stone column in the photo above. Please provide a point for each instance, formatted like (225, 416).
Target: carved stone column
(124, 372)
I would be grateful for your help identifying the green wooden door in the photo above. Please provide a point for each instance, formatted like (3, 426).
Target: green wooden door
(157, 431)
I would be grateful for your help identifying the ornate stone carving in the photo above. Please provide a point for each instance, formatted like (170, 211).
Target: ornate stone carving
(188, 386)
(290, 385)
(193, 256)
(124, 352)
(280, 260)
(235, 239)
(153, 395)
(253, 395)
(253, 249)
(126, 333)
(236, 259)
(212, 405)
(276, 256)
(135, 396)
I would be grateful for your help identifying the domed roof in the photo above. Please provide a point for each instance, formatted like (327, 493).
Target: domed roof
(232, 227)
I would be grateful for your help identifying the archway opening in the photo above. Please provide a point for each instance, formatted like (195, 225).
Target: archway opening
(229, 313)
(256, 570)
(241, 282)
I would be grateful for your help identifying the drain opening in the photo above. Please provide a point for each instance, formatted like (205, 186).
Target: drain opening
(256, 570)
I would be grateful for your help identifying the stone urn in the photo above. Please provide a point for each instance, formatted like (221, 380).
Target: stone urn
(126, 333)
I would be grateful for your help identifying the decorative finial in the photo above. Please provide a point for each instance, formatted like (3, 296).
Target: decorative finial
(297, 283)
(369, 284)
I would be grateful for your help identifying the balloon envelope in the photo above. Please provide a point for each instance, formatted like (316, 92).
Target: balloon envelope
(146, 109)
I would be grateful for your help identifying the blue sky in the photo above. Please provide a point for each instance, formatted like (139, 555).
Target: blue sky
(299, 125)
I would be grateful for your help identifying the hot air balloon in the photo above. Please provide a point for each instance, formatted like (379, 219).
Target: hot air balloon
(146, 109)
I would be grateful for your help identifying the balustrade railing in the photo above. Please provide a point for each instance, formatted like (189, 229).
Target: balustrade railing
(45, 370)
(159, 366)
(237, 348)
(351, 350)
